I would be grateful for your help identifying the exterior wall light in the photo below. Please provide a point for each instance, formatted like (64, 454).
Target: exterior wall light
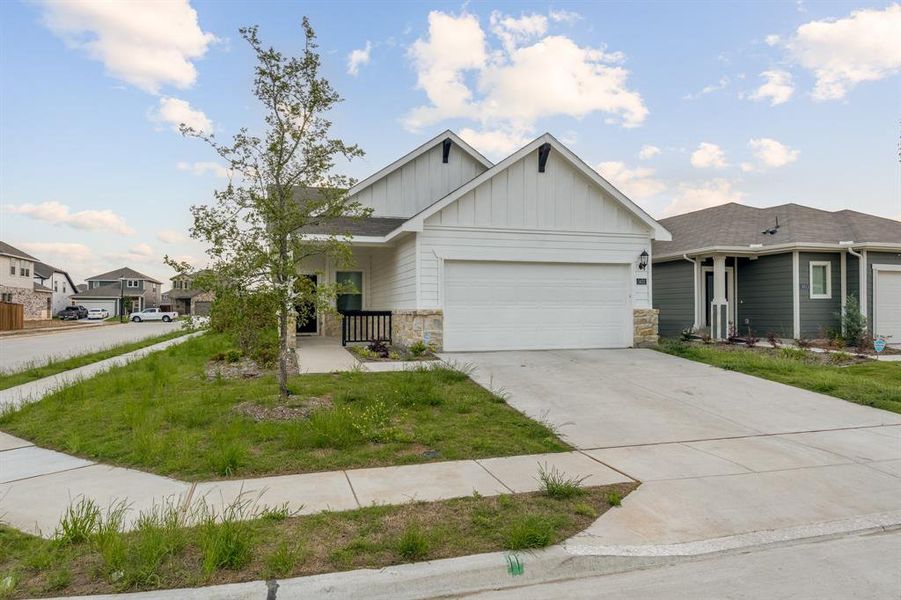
(643, 260)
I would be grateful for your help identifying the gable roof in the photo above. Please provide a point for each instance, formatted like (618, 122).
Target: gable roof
(8, 250)
(737, 226)
(45, 271)
(400, 162)
(122, 273)
(415, 223)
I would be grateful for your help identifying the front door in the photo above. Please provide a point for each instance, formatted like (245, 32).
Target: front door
(307, 320)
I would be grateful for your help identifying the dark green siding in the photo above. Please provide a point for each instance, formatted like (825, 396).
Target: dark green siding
(765, 295)
(819, 316)
(874, 258)
(852, 278)
(674, 296)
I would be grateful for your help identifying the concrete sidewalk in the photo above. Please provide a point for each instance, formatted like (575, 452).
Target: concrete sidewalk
(321, 354)
(37, 485)
(14, 397)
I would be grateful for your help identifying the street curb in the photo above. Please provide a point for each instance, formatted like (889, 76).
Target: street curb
(456, 577)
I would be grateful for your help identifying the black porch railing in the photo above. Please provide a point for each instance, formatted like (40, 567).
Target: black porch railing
(365, 326)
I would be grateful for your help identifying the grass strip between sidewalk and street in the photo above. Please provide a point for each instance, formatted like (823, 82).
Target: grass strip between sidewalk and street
(90, 554)
(56, 366)
(871, 383)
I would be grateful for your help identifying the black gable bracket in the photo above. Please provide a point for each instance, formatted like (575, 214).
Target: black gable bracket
(543, 152)
(445, 150)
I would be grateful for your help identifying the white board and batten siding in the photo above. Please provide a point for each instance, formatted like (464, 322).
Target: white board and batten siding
(419, 183)
(393, 275)
(558, 216)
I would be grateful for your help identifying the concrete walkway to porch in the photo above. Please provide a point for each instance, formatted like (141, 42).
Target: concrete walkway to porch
(321, 354)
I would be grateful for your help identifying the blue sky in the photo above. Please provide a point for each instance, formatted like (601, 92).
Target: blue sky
(682, 105)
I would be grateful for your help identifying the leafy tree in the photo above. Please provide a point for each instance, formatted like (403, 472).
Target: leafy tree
(280, 184)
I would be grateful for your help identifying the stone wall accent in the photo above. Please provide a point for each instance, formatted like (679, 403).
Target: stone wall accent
(644, 321)
(410, 326)
(35, 303)
(330, 325)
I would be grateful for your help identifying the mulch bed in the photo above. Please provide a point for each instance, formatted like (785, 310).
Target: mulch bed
(243, 368)
(295, 407)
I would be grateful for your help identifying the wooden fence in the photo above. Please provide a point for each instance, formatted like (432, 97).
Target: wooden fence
(12, 316)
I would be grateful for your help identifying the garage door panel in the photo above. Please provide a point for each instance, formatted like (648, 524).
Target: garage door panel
(521, 305)
(887, 303)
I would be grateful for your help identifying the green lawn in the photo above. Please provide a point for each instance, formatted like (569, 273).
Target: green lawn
(164, 414)
(8, 380)
(871, 383)
(90, 557)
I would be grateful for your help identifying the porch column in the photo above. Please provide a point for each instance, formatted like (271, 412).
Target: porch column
(719, 307)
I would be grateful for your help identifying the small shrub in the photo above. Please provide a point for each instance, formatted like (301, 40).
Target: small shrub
(282, 560)
(557, 485)
(364, 353)
(529, 532)
(751, 340)
(418, 348)
(773, 339)
(614, 498)
(233, 355)
(394, 355)
(379, 348)
(79, 523)
(854, 323)
(413, 543)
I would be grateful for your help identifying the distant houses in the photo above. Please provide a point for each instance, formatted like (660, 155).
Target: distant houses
(20, 284)
(123, 286)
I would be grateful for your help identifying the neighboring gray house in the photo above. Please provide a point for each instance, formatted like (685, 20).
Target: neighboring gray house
(185, 298)
(56, 280)
(106, 289)
(537, 251)
(785, 269)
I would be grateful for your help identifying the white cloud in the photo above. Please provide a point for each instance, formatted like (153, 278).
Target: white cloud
(59, 214)
(708, 155)
(516, 31)
(495, 142)
(771, 153)
(203, 167)
(845, 52)
(145, 43)
(637, 183)
(648, 152)
(772, 39)
(58, 252)
(358, 58)
(139, 253)
(722, 84)
(466, 77)
(777, 88)
(170, 236)
(563, 16)
(692, 197)
(174, 112)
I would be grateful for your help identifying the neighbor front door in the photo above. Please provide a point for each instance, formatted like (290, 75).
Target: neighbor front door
(307, 321)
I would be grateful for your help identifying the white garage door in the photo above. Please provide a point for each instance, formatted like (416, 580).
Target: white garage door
(109, 305)
(535, 306)
(887, 304)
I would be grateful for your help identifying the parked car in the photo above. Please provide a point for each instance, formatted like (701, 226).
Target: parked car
(152, 314)
(98, 313)
(73, 313)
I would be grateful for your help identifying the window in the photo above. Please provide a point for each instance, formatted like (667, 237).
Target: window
(12, 266)
(351, 286)
(6, 297)
(55, 286)
(820, 279)
(132, 283)
(64, 287)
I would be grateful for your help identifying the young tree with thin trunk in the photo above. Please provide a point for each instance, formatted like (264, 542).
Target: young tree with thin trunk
(281, 184)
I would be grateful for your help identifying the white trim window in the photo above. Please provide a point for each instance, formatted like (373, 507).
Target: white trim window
(132, 283)
(820, 280)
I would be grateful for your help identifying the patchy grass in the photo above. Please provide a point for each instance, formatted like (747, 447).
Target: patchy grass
(871, 383)
(52, 367)
(164, 414)
(160, 554)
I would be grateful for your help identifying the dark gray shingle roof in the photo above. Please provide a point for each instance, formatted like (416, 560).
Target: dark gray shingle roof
(366, 226)
(122, 273)
(13, 251)
(739, 225)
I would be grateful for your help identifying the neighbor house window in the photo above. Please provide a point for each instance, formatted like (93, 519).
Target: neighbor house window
(132, 283)
(12, 266)
(820, 279)
(351, 297)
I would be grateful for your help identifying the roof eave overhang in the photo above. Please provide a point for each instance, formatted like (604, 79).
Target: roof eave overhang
(777, 248)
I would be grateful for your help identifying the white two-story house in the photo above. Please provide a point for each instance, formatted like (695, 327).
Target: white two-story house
(17, 284)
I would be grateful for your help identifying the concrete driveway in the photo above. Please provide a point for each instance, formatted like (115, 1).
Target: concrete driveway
(721, 454)
(20, 351)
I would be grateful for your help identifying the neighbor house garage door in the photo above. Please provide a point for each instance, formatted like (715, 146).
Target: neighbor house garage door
(887, 305)
(109, 305)
(535, 306)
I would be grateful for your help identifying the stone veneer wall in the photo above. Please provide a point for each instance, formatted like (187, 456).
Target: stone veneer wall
(410, 326)
(644, 322)
(35, 303)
